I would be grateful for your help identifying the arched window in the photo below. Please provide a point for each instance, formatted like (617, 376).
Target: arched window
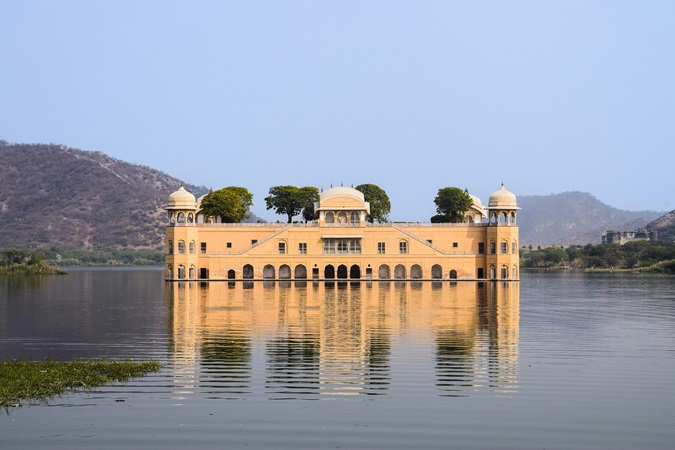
(330, 217)
(354, 218)
(342, 218)
(514, 272)
(181, 247)
(355, 246)
(436, 272)
(453, 274)
(190, 218)
(329, 271)
(355, 272)
(192, 272)
(342, 246)
(514, 247)
(169, 271)
(504, 247)
(247, 272)
(181, 217)
(493, 247)
(169, 247)
(181, 272)
(192, 247)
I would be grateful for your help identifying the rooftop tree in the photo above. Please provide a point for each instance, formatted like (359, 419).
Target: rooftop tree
(379, 202)
(451, 204)
(292, 200)
(232, 204)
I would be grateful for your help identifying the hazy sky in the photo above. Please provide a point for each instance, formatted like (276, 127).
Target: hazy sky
(546, 96)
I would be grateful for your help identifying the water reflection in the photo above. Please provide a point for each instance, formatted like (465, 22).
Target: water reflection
(307, 340)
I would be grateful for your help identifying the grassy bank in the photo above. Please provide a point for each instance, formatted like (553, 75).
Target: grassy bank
(26, 381)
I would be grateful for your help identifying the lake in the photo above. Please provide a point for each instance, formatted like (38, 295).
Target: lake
(559, 360)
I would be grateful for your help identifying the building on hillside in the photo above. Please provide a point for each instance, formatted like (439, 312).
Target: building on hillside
(341, 244)
(621, 237)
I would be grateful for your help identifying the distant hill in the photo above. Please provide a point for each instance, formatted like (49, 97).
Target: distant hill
(664, 226)
(52, 195)
(573, 218)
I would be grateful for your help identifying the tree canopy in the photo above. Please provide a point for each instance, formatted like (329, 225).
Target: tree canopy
(379, 202)
(292, 200)
(451, 204)
(232, 204)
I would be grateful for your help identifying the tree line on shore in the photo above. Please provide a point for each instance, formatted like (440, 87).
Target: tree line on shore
(655, 256)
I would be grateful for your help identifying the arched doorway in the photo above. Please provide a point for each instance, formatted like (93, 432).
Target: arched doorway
(453, 274)
(436, 272)
(399, 272)
(416, 272)
(268, 272)
(300, 271)
(355, 272)
(231, 275)
(247, 272)
(342, 271)
(284, 272)
(329, 271)
(383, 272)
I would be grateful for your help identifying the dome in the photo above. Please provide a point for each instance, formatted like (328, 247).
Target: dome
(181, 199)
(341, 191)
(503, 199)
(476, 201)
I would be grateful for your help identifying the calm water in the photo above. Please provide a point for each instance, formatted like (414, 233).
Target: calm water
(557, 361)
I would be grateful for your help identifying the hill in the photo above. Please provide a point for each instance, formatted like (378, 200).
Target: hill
(573, 218)
(56, 196)
(665, 226)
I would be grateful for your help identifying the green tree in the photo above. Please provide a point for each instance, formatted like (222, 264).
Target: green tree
(232, 204)
(379, 202)
(311, 196)
(292, 200)
(451, 204)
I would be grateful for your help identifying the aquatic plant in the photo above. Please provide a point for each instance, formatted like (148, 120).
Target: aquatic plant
(22, 380)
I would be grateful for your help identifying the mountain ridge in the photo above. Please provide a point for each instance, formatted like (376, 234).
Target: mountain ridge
(57, 196)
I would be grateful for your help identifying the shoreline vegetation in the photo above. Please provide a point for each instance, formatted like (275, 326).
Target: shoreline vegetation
(20, 262)
(632, 257)
(24, 382)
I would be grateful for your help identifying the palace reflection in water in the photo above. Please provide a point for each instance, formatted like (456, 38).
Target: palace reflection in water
(308, 340)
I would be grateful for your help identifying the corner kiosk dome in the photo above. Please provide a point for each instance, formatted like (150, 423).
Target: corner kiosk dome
(503, 199)
(181, 199)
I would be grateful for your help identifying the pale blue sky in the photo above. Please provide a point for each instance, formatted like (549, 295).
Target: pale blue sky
(546, 96)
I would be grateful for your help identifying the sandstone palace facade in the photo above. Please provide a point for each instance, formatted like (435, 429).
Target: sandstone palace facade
(341, 244)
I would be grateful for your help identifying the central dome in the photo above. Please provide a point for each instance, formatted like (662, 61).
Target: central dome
(341, 191)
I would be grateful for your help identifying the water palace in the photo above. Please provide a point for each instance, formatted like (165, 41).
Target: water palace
(341, 244)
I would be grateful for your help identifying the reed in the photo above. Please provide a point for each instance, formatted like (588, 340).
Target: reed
(22, 381)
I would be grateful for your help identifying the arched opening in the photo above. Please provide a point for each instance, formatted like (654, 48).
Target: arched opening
(383, 272)
(355, 272)
(247, 272)
(181, 247)
(453, 274)
(400, 272)
(513, 218)
(342, 271)
(329, 271)
(342, 219)
(300, 271)
(181, 272)
(416, 272)
(284, 272)
(268, 272)
(436, 272)
(169, 247)
(354, 246)
(354, 218)
(505, 273)
(191, 273)
(514, 272)
(190, 218)
(493, 272)
(330, 217)
(231, 275)
(181, 217)
(169, 271)
(192, 247)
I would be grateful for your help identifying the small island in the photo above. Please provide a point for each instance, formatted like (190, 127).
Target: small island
(21, 262)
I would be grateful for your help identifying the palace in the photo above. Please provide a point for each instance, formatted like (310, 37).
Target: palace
(341, 244)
